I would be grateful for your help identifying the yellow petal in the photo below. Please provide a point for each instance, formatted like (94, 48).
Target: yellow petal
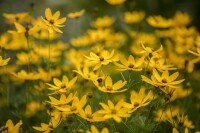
(48, 13)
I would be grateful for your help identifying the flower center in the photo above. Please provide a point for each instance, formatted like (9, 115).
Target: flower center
(164, 81)
(136, 104)
(113, 111)
(63, 86)
(51, 21)
(101, 59)
(130, 65)
(89, 116)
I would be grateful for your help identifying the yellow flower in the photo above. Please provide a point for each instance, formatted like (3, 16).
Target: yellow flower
(114, 111)
(26, 76)
(183, 121)
(181, 19)
(95, 130)
(47, 128)
(115, 2)
(18, 17)
(76, 14)
(52, 22)
(150, 52)
(103, 22)
(165, 80)
(26, 31)
(11, 128)
(23, 58)
(129, 64)
(76, 106)
(133, 17)
(109, 87)
(32, 108)
(62, 86)
(62, 101)
(159, 22)
(138, 100)
(89, 116)
(103, 59)
(3, 62)
(197, 53)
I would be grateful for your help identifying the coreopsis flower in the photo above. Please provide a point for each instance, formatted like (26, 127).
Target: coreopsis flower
(181, 19)
(95, 130)
(164, 80)
(174, 130)
(47, 128)
(159, 64)
(51, 21)
(62, 86)
(3, 62)
(23, 58)
(103, 22)
(150, 52)
(76, 106)
(10, 127)
(134, 17)
(18, 17)
(114, 111)
(89, 116)
(109, 87)
(138, 99)
(183, 121)
(62, 101)
(76, 14)
(104, 58)
(159, 22)
(129, 64)
(26, 75)
(26, 31)
(32, 108)
(115, 2)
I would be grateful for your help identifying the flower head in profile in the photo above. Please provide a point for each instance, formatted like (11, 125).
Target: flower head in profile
(3, 62)
(109, 87)
(159, 22)
(115, 2)
(76, 14)
(134, 17)
(26, 75)
(18, 17)
(129, 64)
(103, 22)
(11, 128)
(114, 111)
(51, 21)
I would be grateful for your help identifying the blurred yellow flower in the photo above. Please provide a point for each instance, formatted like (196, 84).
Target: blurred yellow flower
(18, 17)
(134, 17)
(32, 108)
(76, 14)
(95, 130)
(26, 75)
(115, 2)
(3, 62)
(159, 22)
(103, 22)
(52, 22)
(11, 128)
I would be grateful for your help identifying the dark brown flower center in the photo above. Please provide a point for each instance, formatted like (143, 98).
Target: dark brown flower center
(101, 59)
(136, 104)
(113, 111)
(51, 21)
(164, 81)
(73, 108)
(63, 86)
(109, 88)
(89, 116)
(130, 65)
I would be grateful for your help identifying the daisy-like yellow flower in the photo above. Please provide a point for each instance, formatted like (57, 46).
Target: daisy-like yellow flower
(183, 120)
(129, 64)
(134, 17)
(115, 2)
(3, 62)
(164, 80)
(76, 106)
(62, 86)
(52, 22)
(18, 17)
(159, 22)
(76, 14)
(150, 52)
(11, 128)
(95, 130)
(89, 116)
(138, 99)
(109, 87)
(114, 111)
(47, 128)
(62, 101)
(104, 58)
(174, 130)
